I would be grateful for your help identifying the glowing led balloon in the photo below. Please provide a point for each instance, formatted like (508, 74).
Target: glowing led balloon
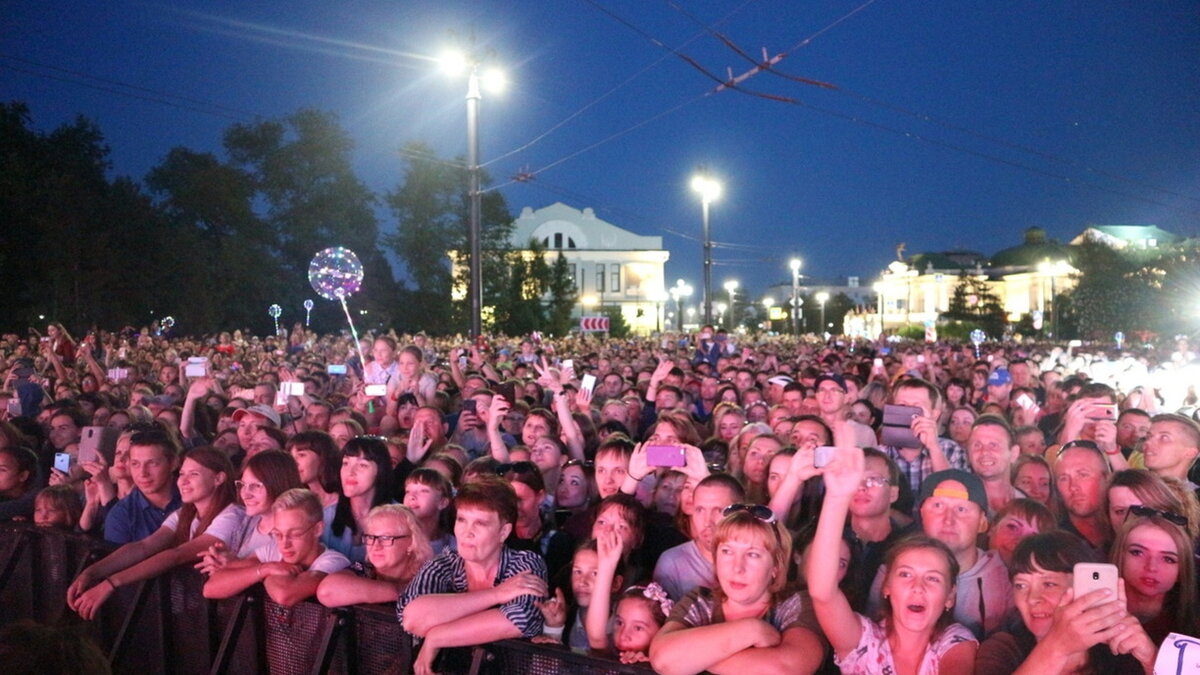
(308, 305)
(1119, 337)
(275, 311)
(977, 338)
(168, 322)
(335, 273)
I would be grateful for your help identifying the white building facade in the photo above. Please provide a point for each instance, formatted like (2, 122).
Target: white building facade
(611, 266)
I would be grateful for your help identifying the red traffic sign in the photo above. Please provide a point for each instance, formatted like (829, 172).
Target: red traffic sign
(593, 324)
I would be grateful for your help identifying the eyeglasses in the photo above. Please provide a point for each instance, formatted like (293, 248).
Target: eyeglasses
(1147, 512)
(759, 512)
(874, 482)
(291, 536)
(515, 467)
(249, 487)
(384, 540)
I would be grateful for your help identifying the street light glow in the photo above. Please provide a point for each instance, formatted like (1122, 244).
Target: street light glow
(731, 285)
(822, 297)
(768, 302)
(795, 265)
(453, 62)
(709, 188)
(494, 80)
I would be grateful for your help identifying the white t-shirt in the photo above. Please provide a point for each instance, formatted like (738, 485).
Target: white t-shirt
(328, 562)
(226, 526)
(249, 538)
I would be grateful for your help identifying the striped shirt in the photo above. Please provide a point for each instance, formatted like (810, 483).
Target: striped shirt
(447, 573)
(920, 467)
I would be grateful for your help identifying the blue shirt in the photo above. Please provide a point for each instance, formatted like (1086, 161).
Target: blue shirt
(134, 518)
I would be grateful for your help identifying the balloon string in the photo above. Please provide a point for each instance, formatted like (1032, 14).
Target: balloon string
(353, 330)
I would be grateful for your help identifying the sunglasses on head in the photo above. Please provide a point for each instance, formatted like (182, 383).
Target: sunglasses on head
(758, 511)
(584, 463)
(1081, 443)
(515, 467)
(1147, 512)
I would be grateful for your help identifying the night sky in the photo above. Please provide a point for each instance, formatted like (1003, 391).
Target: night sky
(954, 124)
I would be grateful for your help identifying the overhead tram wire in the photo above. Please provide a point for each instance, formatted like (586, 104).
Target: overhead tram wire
(610, 92)
(161, 98)
(769, 65)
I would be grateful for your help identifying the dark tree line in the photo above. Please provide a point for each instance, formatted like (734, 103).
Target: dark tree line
(213, 239)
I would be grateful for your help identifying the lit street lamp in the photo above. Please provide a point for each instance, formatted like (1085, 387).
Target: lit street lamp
(731, 287)
(680, 290)
(455, 63)
(709, 190)
(795, 264)
(822, 297)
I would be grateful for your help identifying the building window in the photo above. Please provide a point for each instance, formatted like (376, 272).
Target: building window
(852, 282)
(546, 242)
(570, 242)
(615, 285)
(558, 240)
(600, 278)
(571, 272)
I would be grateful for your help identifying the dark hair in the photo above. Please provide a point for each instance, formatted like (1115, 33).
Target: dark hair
(431, 478)
(616, 444)
(935, 395)
(999, 422)
(374, 449)
(158, 438)
(1055, 551)
(893, 469)
(726, 481)
(631, 509)
(224, 495)
(324, 446)
(489, 493)
(277, 471)
(26, 461)
(64, 497)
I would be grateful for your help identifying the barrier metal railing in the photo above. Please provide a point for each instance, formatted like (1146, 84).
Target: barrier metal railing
(166, 625)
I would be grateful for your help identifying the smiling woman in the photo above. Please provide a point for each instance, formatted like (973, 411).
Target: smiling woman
(748, 619)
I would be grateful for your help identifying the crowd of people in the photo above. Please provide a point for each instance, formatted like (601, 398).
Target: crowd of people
(701, 502)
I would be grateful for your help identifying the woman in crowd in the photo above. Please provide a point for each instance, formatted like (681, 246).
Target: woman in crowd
(265, 476)
(576, 489)
(747, 623)
(1056, 632)
(411, 378)
(57, 506)
(918, 633)
(428, 494)
(1018, 520)
(1031, 475)
(366, 477)
(1156, 559)
(319, 464)
(209, 515)
(728, 420)
(960, 422)
(396, 549)
(1138, 487)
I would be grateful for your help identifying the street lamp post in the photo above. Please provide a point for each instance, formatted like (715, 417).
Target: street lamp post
(709, 190)
(822, 297)
(731, 287)
(795, 264)
(678, 291)
(455, 63)
(768, 303)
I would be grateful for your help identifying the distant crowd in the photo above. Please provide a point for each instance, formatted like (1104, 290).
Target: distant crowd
(701, 501)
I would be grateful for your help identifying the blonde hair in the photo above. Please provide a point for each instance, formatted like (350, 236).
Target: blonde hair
(419, 550)
(774, 537)
(300, 499)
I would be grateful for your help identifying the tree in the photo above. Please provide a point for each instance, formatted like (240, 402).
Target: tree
(563, 294)
(431, 209)
(974, 302)
(519, 310)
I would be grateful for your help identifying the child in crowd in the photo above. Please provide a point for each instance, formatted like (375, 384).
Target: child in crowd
(640, 611)
(57, 506)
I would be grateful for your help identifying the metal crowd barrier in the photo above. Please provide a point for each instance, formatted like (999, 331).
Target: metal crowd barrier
(165, 625)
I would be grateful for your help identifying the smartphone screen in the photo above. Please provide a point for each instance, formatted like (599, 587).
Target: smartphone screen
(62, 462)
(1090, 577)
(665, 455)
(376, 390)
(588, 383)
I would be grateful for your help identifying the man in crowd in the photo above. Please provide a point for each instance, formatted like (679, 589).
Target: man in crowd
(690, 564)
(1081, 473)
(991, 451)
(833, 401)
(935, 454)
(153, 456)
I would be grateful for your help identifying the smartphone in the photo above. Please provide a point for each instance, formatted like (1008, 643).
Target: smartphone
(14, 407)
(197, 366)
(897, 426)
(376, 390)
(281, 399)
(665, 455)
(292, 388)
(1090, 577)
(920, 358)
(62, 462)
(879, 364)
(98, 442)
(507, 391)
(469, 405)
(336, 369)
(588, 383)
(1026, 402)
(118, 374)
(45, 340)
(1105, 412)
(824, 455)
(568, 364)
